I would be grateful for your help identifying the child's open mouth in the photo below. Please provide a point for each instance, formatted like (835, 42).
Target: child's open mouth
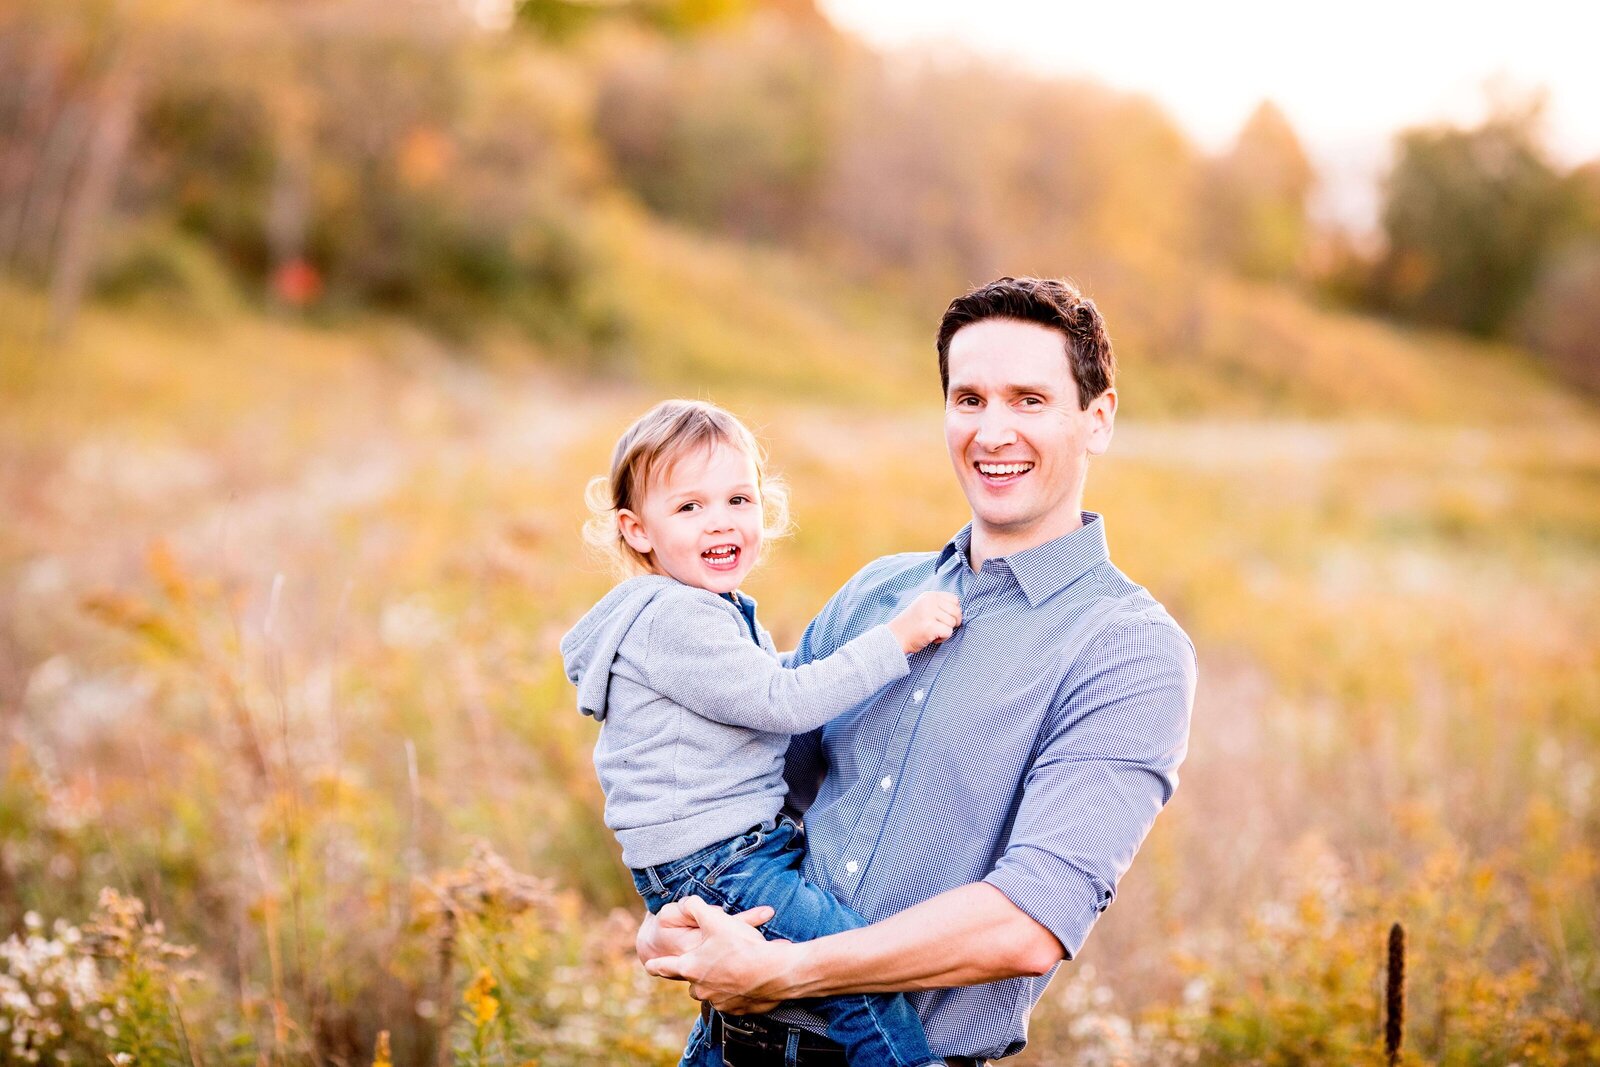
(721, 558)
(1002, 473)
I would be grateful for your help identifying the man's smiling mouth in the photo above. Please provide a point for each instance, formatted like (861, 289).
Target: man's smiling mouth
(1001, 473)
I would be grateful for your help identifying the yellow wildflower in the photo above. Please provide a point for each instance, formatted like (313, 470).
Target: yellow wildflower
(380, 1058)
(480, 997)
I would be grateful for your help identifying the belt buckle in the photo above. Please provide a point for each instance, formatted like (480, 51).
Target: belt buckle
(749, 1033)
(768, 1037)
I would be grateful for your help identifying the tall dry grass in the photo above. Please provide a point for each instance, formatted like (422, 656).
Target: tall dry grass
(278, 622)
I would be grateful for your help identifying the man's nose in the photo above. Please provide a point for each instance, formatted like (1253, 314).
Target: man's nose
(995, 429)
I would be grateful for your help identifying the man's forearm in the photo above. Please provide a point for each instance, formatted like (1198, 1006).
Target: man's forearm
(965, 936)
(968, 935)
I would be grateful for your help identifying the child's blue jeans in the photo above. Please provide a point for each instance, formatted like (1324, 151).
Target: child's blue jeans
(763, 866)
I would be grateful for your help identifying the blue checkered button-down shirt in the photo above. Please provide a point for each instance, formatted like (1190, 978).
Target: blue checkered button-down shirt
(1031, 751)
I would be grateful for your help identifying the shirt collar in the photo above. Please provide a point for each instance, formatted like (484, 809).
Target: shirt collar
(1046, 569)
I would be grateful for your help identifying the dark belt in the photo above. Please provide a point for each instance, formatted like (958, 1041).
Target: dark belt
(760, 1041)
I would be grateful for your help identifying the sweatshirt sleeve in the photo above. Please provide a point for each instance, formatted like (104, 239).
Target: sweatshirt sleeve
(697, 656)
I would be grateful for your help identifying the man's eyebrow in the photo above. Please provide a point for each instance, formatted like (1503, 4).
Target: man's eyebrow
(1012, 388)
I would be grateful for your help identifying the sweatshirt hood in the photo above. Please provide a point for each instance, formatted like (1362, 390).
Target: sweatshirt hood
(589, 648)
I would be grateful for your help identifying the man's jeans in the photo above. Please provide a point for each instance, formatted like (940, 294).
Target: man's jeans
(763, 866)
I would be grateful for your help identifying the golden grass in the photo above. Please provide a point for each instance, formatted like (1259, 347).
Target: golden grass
(279, 643)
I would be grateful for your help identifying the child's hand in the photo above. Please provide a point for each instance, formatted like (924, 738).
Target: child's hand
(931, 618)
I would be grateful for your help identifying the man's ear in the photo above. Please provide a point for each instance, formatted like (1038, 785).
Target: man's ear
(1102, 412)
(633, 531)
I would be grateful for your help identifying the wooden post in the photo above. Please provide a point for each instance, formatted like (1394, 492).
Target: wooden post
(1394, 1026)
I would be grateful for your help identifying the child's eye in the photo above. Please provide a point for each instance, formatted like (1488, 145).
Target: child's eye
(739, 499)
(690, 506)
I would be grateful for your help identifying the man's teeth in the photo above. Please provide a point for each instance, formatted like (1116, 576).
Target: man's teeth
(1004, 468)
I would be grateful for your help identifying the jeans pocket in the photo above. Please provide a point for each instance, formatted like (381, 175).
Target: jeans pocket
(741, 847)
(699, 1052)
(641, 882)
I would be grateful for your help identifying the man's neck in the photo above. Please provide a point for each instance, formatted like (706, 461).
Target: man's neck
(990, 544)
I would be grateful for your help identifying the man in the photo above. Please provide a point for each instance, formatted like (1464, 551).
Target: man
(980, 812)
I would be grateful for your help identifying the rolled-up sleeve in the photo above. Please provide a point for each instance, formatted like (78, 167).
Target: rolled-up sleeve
(1106, 763)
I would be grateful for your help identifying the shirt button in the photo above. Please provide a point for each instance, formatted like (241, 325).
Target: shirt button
(918, 695)
(851, 867)
(887, 782)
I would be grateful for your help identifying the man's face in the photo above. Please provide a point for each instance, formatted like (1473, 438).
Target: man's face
(1017, 438)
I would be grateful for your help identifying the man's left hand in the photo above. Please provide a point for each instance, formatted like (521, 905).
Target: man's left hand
(734, 969)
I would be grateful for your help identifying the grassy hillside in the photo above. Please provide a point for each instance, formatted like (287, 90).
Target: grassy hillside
(279, 608)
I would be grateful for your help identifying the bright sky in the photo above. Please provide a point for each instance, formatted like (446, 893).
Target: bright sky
(1347, 74)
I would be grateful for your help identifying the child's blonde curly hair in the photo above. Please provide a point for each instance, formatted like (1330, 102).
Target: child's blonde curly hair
(651, 446)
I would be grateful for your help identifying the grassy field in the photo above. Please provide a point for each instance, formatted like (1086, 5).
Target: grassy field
(278, 619)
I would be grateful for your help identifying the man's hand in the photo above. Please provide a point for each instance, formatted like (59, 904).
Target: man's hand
(964, 936)
(732, 966)
(674, 930)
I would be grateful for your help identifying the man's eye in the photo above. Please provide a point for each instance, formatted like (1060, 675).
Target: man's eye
(966, 401)
(1032, 401)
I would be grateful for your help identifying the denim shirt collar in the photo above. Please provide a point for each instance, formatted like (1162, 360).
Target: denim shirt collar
(1043, 570)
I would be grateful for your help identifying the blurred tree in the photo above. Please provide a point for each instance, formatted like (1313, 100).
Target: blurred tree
(729, 131)
(689, 16)
(955, 171)
(344, 156)
(1583, 198)
(562, 20)
(1253, 203)
(204, 159)
(68, 95)
(89, 196)
(1470, 215)
(1561, 319)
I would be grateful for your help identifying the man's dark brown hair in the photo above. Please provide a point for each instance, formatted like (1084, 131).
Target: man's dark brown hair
(1050, 302)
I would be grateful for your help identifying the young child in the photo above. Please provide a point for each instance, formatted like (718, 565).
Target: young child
(696, 707)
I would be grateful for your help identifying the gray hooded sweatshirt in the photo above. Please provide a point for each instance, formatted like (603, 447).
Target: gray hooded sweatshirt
(695, 717)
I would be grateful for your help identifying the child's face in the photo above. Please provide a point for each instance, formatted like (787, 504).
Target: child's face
(700, 520)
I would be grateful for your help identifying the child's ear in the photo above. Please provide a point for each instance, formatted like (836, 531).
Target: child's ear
(633, 532)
